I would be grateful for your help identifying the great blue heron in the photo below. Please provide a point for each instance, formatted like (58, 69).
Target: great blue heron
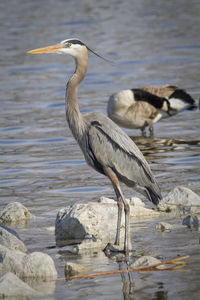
(106, 147)
(141, 107)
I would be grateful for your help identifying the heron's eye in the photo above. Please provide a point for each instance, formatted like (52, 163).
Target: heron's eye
(68, 44)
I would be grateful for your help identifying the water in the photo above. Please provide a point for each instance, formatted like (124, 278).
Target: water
(42, 167)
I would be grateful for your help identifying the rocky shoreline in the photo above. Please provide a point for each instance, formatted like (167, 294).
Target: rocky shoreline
(78, 228)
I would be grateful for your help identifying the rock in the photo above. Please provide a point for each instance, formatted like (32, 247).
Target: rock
(136, 201)
(86, 221)
(162, 226)
(86, 246)
(39, 265)
(72, 269)
(12, 286)
(11, 260)
(180, 200)
(34, 265)
(106, 200)
(138, 212)
(146, 260)
(10, 239)
(192, 221)
(15, 212)
(95, 222)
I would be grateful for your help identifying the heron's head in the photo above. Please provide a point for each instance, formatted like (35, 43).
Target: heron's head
(71, 46)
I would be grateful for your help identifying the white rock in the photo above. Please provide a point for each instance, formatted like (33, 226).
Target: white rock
(140, 212)
(11, 261)
(192, 221)
(136, 201)
(72, 269)
(39, 265)
(106, 200)
(15, 212)
(146, 260)
(163, 226)
(93, 221)
(10, 239)
(34, 265)
(180, 200)
(12, 286)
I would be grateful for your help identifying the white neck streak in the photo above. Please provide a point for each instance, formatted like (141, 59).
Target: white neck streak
(74, 117)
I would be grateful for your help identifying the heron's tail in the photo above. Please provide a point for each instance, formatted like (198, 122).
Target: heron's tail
(153, 196)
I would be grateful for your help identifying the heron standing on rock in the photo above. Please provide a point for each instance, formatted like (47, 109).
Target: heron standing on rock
(106, 147)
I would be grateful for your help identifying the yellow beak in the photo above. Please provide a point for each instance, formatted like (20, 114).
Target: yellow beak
(48, 49)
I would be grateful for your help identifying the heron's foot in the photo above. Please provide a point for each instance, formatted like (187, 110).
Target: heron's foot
(115, 249)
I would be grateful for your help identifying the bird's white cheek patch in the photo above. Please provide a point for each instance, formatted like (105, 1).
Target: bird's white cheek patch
(177, 104)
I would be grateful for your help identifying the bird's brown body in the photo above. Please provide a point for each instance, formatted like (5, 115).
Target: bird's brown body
(141, 107)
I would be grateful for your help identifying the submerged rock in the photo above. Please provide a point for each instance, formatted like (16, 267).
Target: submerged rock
(93, 222)
(180, 200)
(192, 222)
(15, 212)
(72, 269)
(163, 226)
(146, 260)
(10, 239)
(12, 286)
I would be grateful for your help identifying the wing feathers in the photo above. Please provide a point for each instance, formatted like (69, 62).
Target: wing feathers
(109, 144)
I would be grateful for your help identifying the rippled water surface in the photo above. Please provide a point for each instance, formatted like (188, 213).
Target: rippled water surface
(153, 43)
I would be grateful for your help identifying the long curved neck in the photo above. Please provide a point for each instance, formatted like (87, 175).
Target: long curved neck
(74, 117)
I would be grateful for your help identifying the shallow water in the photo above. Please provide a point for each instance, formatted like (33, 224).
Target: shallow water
(41, 165)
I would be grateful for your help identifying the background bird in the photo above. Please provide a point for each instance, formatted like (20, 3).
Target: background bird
(105, 146)
(142, 107)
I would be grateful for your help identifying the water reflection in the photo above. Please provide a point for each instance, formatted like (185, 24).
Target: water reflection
(161, 293)
(127, 283)
(129, 293)
(129, 280)
(153, 145)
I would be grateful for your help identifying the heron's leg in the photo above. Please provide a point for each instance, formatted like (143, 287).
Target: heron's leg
(127, 225)
(115, 182)
(119, 217)
(121, 201)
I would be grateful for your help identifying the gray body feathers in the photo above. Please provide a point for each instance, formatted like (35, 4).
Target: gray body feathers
(109, 146)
